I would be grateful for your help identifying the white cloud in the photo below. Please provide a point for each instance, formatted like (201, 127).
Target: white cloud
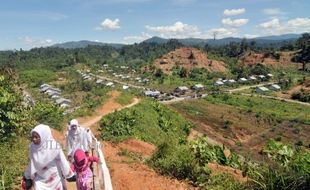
(136, 39)
(233, 12)
(234, 23)
(274, 23)
(35, 42)
(221, 32)
(177, 30)
(275, 27)
(182, 30)
(272, 11)
(109, 24)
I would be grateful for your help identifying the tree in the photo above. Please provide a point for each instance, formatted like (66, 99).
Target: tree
(303, 56)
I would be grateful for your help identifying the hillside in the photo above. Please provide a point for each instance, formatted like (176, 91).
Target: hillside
(260, 41)
(84, 43)
(188, 58)
(253, 58)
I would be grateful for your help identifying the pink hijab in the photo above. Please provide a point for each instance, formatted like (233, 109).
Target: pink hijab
(45, 152)
(80, 160)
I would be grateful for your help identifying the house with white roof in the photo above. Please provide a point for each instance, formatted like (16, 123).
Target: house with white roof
(218, 83)
(151, 93)
(231, 81)
(181, 89)
(261, 89)
(262, 77)
(125, 87)
(110, 84)
(60, 101)
(252, 78)
(243, 80)
(99, 81)
(198, 87)
(274, 87)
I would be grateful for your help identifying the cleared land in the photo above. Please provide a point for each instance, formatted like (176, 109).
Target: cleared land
(246, 123)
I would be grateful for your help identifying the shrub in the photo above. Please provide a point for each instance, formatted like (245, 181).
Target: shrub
(49, 114)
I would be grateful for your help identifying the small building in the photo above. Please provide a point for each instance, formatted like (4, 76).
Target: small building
(64, 105)
(138, 78)
(151, 93)
(198, 87)
(110, 84)
(262, 77)
(252, 78)
(52, 92)
(275, 87)
(218, 83)
(125, 87)
(261, 89)
(243, 80)
(269, 75)
(45, 88)
(99, 81)
(231, 81)
(181, 89)
(44, 85)
(55, 96)
(62, 100)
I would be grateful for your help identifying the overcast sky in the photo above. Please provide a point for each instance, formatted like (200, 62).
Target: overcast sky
(34, 23)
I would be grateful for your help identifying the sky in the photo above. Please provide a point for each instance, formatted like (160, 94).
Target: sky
(37, 23)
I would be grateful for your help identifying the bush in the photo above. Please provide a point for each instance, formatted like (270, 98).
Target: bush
(13, 156)
(118, 126)
(48, 114)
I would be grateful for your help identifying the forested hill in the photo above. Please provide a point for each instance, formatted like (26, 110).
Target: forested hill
(57, 58)
(261, 41)
(85, 43)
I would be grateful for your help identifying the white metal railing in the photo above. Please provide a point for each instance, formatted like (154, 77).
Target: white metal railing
(103, 166)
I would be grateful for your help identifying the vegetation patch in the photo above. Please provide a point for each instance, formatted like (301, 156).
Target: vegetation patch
(274, 108)
(125, 98)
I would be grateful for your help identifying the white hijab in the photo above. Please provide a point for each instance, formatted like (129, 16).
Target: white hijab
(77, 138)
(45, 152)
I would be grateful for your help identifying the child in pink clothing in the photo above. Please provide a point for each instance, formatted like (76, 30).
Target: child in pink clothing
(81, 165)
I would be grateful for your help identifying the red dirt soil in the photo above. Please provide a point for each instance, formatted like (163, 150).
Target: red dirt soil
(188, 58)
(252, 58)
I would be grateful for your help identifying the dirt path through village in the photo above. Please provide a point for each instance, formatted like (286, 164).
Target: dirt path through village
(126, 173)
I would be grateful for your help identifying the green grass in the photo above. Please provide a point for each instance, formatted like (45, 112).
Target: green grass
(276, 109)
(151, 122)
(14, 158)
(125, 98)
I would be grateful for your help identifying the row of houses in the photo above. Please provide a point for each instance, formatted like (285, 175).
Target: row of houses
(264, 89)
(244, 80)
(178, 92)
(55, 95)
(100, 81)
(90, 77)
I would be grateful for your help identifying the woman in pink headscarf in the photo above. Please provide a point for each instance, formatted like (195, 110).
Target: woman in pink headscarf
(83, 172)
(48, 166)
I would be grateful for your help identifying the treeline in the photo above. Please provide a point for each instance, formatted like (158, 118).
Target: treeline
(55, 58)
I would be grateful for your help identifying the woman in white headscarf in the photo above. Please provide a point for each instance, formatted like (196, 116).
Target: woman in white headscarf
(48, 166)
(77, 138)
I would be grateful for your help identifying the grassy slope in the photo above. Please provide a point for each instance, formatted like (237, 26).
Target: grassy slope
(274, 108)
